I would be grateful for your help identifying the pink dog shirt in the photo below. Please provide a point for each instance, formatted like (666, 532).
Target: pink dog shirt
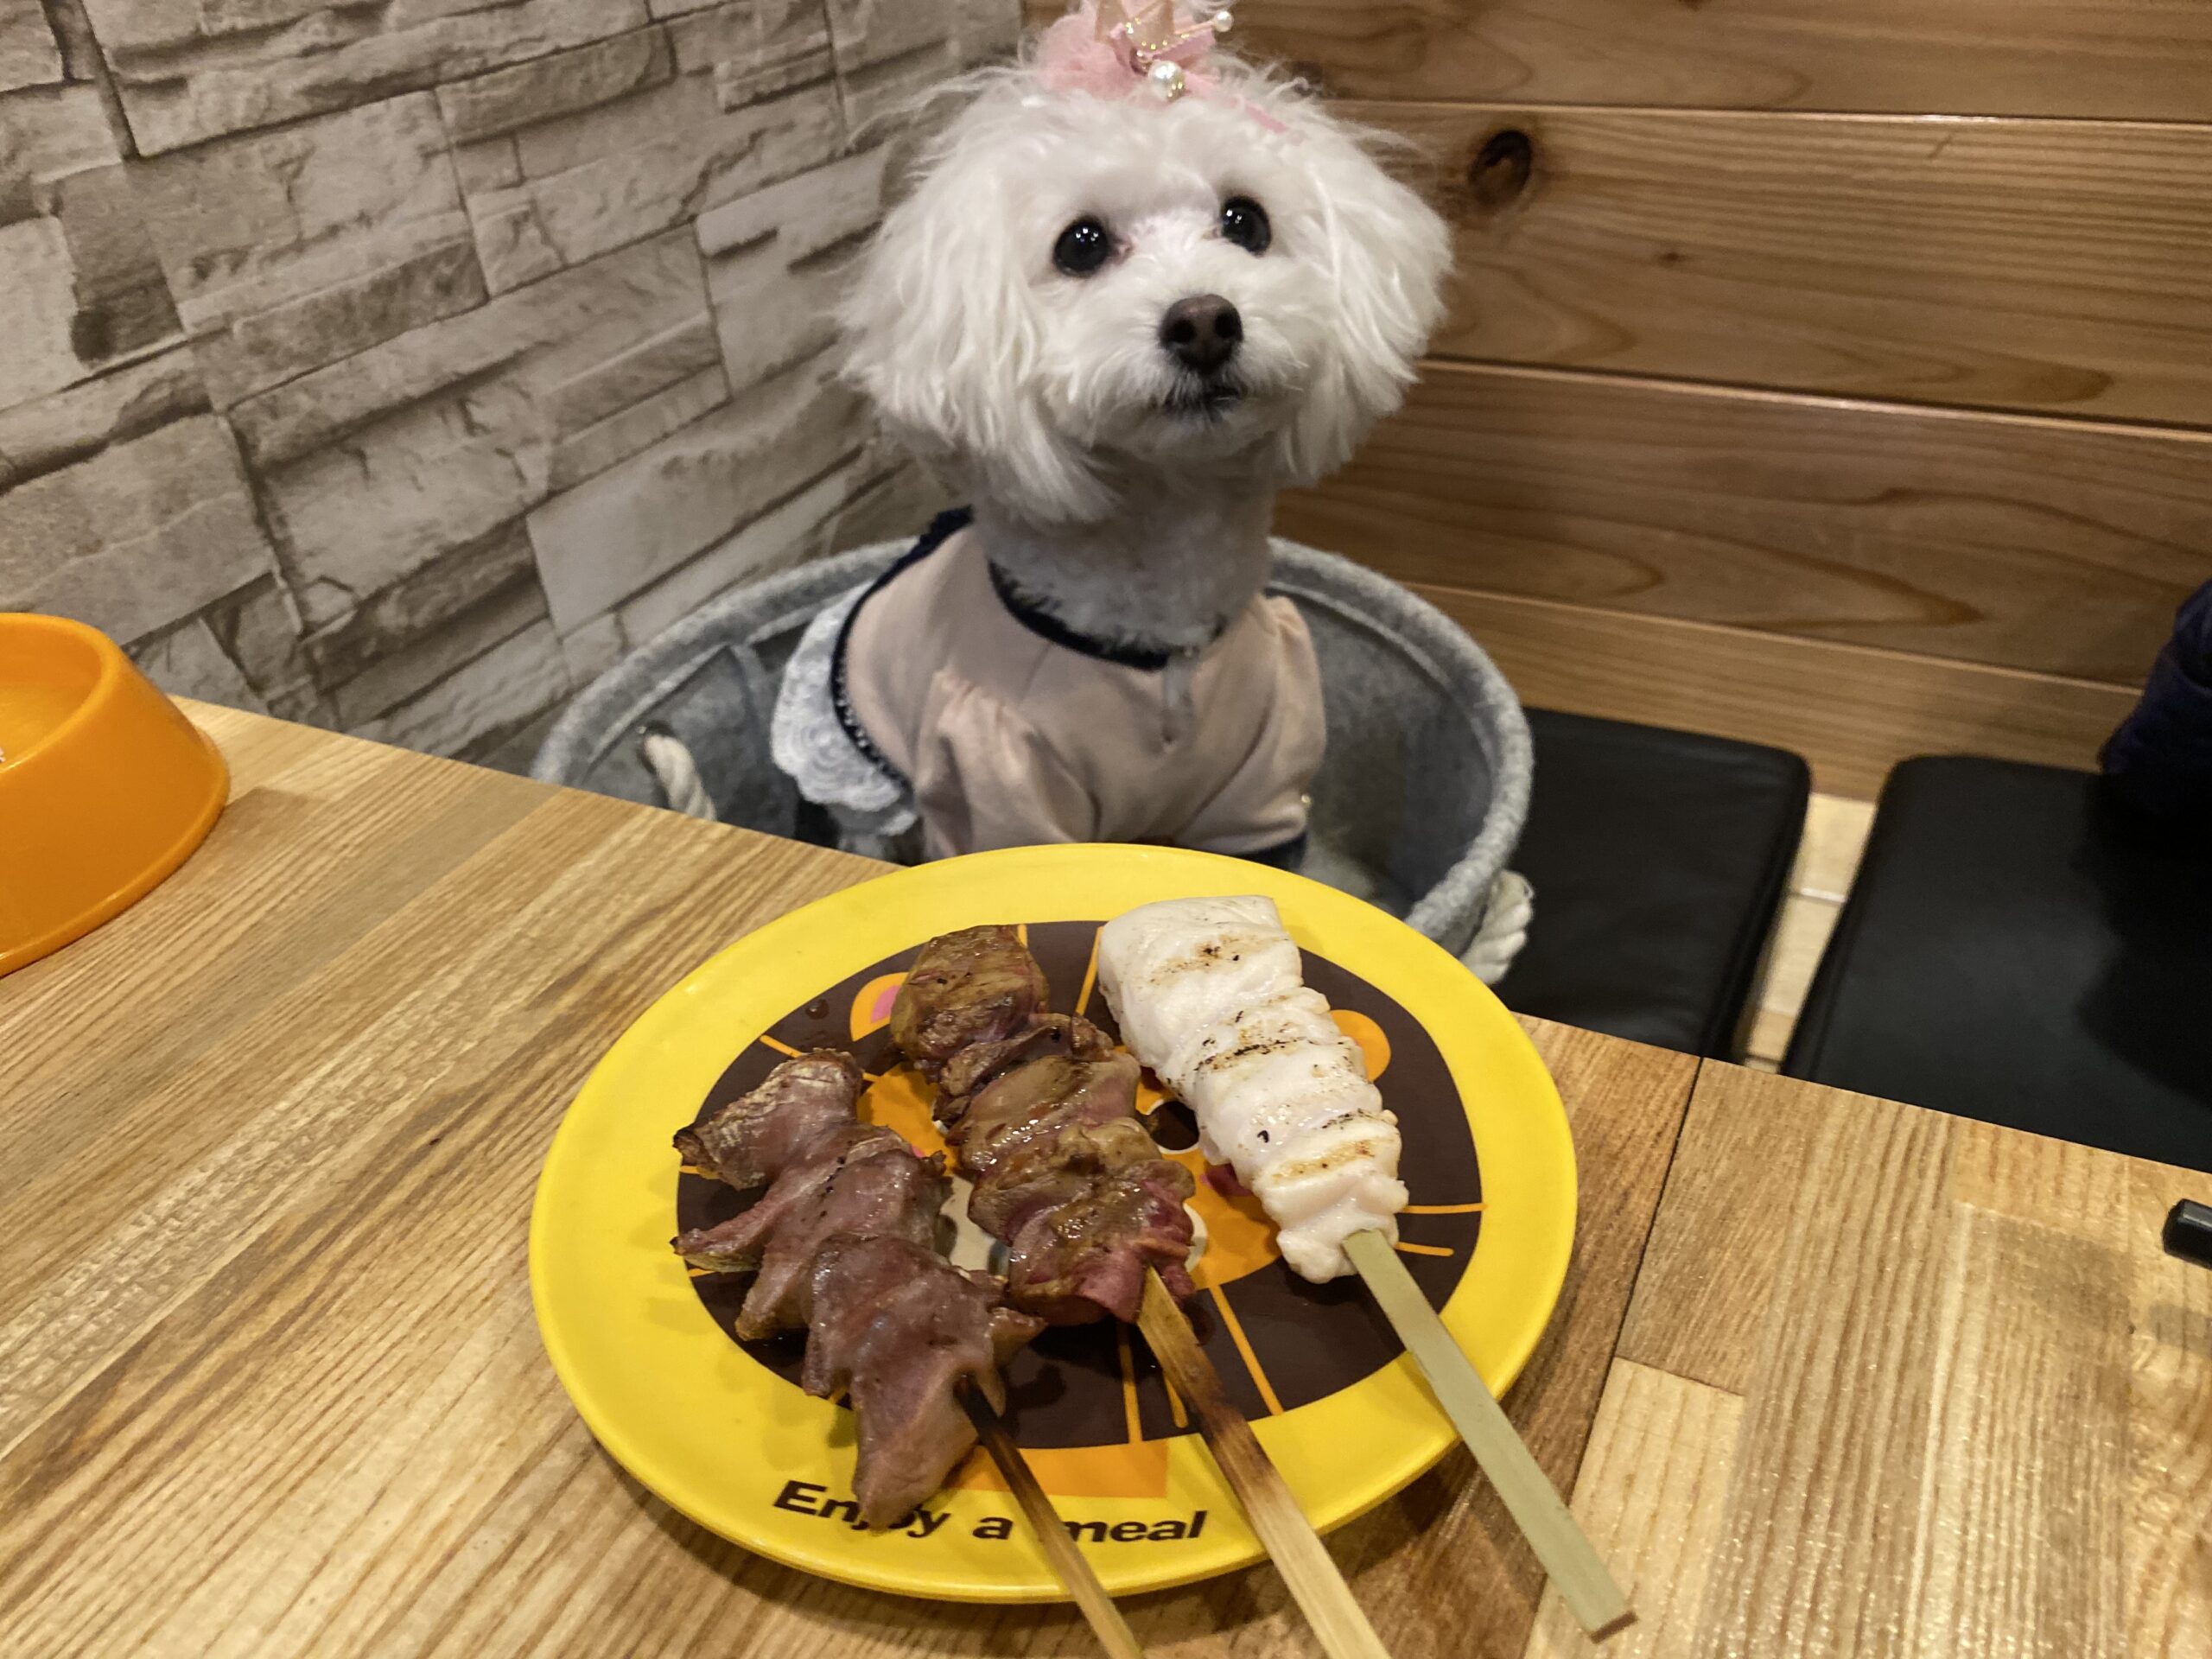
(1010, 732)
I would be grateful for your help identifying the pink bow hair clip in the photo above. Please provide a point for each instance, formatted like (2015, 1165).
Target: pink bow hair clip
(1106, 49)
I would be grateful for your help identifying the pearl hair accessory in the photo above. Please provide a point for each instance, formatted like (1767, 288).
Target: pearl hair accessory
(1155, 46)
(1141, 48)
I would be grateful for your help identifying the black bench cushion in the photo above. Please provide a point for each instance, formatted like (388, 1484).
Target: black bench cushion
(2016, 949)
(1659, 859)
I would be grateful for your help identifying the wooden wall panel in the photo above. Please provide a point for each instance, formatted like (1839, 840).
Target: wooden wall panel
(2048, 545)
(2053, 266)
(2145, 58)
(1851, 712)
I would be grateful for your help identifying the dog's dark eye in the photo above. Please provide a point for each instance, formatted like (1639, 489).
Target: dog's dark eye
(1083, 248)
(1245, 222)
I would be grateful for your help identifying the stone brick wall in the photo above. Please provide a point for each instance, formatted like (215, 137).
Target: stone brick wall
(396, 364)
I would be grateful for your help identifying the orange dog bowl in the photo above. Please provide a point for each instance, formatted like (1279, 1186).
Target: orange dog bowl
(105, 786)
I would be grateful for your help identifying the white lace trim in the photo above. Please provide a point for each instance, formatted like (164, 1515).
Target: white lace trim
(810, 744)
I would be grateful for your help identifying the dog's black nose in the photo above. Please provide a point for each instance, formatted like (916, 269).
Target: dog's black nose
(1201, 332)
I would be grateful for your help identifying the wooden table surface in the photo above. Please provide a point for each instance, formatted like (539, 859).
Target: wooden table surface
(1830, 1376)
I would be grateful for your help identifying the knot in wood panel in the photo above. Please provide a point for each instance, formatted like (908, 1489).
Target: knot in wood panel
(1500, 170)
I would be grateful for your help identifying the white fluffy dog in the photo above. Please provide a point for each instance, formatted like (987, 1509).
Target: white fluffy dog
(1136, 290)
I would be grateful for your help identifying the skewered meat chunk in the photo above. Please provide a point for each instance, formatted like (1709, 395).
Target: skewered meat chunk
(736, 1245)
(1043, 1122)
(862, 1179)
(1046, 1170)
(1034, 1102)
(1050, 1034)
(1065, 1174)
(977, 986)
(748, 1139)
(1210, 993)
(899, 1329)
(842, 1243)
(1085, 1257)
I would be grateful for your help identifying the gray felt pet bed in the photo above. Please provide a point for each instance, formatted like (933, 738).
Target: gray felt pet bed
(1419, 803)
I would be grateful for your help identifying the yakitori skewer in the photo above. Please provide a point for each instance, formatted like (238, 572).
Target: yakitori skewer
(1562, 1546)
(1210, 993)
(842, 1244)
(1107, 1623)
(1039, 1109)
(1291, 1543)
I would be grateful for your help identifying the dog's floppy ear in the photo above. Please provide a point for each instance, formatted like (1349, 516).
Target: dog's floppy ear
(942, 331)
(914, 134)
(1388, 253)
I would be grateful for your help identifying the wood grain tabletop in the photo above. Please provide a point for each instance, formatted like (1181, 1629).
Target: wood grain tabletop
(1829, 1375)
(1895, 1382)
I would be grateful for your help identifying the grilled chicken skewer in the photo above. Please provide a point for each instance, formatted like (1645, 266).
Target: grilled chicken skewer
(1210, 993)
(1040, 1111)
(842, 1244)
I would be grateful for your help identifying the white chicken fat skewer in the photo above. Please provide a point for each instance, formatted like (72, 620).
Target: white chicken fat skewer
(1210, 994)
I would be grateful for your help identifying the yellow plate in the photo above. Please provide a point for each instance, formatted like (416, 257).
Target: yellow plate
(720, 1432)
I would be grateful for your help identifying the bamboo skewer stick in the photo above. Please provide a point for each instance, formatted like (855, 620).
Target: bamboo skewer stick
(1106, 1621)
(1306, 1566)
(1560, 1545)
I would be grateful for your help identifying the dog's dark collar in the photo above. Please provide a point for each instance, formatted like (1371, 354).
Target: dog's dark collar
(1023, 610)
(1041, 622)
